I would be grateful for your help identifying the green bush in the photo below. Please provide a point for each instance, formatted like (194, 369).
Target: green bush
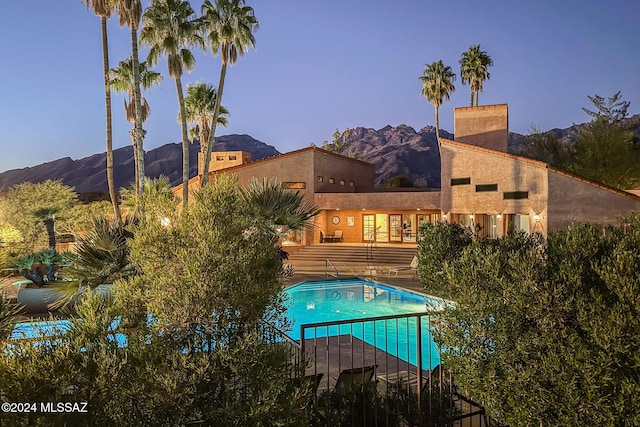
(545, 332)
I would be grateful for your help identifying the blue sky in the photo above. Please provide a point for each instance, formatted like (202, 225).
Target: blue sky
(319, 65)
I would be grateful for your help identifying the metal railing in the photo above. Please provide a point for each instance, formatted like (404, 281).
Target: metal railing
(327, 263)
(401, 352)
(269, 334)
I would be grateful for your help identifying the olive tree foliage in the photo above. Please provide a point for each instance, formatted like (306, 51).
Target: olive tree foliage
(545, 332)
(439, 243)
(212, 269)
(193, 353)
(27, 204)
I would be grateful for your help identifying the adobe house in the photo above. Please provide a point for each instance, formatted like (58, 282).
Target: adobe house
(343, 189)
(486, 188)
(483, 187)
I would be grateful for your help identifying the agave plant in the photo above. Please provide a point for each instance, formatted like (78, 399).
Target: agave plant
(25, 266)
(50, 257)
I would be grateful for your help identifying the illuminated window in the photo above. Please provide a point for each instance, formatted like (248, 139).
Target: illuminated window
(351, 183)
(219, 158)
(320, 178)
(342, 182)
(294, 185)
(232, 157)
(332, 181)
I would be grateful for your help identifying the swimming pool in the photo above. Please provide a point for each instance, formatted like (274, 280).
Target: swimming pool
(342, 300)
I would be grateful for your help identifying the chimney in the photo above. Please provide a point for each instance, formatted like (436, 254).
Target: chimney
(486, 126)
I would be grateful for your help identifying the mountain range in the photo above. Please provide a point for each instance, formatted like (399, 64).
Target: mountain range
(396, 151)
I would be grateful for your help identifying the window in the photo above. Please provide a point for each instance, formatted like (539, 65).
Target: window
(351, 183)
(332, 181)
(294, 185)
(320, 178)
(515, 195)
(480, 188)
(219, 158)
(491, 226)
(460, 181)
(342, 182)
(519, 222)
(233, 157)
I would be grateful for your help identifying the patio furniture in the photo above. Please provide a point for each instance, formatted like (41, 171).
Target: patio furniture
(324, 238)
(337, 236)
(411, 267)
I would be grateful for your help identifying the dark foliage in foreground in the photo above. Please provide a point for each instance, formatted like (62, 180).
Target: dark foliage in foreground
(544, 332)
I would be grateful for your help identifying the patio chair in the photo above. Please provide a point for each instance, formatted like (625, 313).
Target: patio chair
(337, 236)
(411, 267)
(324, 238)
(350, 376)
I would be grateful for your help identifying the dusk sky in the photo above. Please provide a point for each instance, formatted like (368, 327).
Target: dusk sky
(319, 65)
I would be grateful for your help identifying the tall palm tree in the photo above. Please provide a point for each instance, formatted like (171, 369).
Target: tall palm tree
(437, 85)
(169, 28)
(229, 26)
(130, 13)
(200, 105)
(473, 69)
(104, 9)
(122, 80)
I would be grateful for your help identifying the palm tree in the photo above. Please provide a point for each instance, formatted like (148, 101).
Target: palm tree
(130, 13)
(473, 69)
(104, 9)
(229, 26)
(200, 105)
(123, 80)
(169, 28)
(277, 210)
(437, 85)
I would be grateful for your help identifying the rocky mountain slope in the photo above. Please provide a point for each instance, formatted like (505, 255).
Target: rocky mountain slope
(400, 151)
(89, 174)
(396, 151)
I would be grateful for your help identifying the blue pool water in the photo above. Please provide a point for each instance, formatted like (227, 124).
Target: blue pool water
(339, 300)
(327, 301)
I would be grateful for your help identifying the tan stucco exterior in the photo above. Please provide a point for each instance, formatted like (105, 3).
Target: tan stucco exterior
(485, 126)
(574, 200)
(555, 199)
(482, 167)
(483, 187)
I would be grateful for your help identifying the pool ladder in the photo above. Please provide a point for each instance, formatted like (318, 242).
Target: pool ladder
(327, 263)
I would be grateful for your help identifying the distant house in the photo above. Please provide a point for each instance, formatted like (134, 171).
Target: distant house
(483, 187)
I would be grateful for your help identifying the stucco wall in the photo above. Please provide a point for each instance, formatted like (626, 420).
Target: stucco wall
(510, 173)
(572, 201)
(485, 126)
(427, 200)
(341, 169)
(292, 167)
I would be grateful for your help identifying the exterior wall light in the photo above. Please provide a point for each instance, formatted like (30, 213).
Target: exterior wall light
(499, 216)
(536, 217)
